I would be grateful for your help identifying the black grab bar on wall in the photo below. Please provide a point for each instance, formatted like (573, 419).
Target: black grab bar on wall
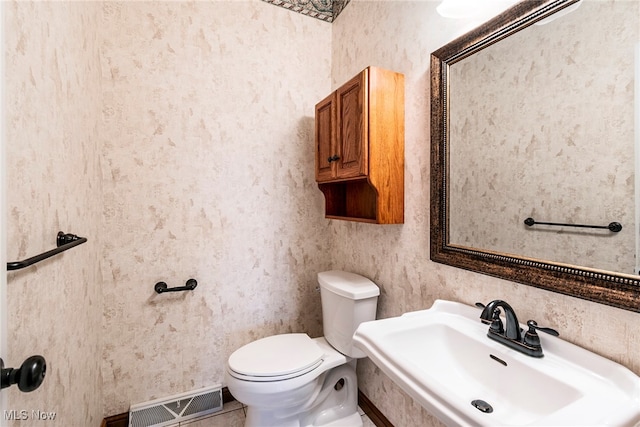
(162, 287)
(614, 226)
(64, 241)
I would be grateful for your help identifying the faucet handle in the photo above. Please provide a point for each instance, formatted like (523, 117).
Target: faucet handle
(533, 326)
(531, 337)
(496, 322)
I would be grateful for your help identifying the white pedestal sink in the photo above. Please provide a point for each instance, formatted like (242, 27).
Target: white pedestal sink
(443, 358)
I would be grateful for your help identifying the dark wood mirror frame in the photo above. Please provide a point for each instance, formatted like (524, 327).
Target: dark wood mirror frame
(617, 290)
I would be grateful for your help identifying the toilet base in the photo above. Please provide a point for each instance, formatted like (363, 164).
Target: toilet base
(353, 420)
(334, 403)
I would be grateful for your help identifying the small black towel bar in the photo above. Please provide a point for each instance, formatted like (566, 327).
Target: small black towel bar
(614, 226)
(64, 241)
(161, 287)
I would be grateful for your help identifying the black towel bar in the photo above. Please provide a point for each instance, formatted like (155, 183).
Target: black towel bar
(614, 226)
(64, 241)
(161, 287)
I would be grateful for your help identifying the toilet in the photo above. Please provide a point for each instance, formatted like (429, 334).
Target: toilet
(292, 380)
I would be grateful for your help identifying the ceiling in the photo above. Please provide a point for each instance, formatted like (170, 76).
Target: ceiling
(325, 10)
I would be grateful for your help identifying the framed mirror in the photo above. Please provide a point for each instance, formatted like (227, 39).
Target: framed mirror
(534, 118)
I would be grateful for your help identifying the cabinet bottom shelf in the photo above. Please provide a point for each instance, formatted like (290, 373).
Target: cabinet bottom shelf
(350, 200)
(352, 218)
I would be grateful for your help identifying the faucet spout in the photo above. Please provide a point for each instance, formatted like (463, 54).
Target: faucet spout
(512, 329)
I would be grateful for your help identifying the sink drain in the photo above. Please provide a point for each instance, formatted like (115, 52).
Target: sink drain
(482, 406)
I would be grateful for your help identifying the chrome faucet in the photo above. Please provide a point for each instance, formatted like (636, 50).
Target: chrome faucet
(511, 336)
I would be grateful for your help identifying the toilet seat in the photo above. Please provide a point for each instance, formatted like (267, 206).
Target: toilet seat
(276, 358)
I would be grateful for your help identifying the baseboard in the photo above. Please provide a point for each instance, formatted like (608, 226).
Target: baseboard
(372, 411)
(120, 420)
(227, 396)
(374, 414)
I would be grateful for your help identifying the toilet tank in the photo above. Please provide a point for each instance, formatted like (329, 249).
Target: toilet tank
(348, 299)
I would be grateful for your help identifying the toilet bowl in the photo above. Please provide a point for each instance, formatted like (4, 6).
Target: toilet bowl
(294, 380)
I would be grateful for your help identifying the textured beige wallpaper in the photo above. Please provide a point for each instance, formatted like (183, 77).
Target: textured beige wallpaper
(52, 106)
(192, 124)
(208, 168)
(400, 36)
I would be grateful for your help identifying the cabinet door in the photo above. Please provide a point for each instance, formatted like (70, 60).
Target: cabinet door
(325, 138)
(352, 128)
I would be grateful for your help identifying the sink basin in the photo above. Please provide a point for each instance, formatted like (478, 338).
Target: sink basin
(444, 360)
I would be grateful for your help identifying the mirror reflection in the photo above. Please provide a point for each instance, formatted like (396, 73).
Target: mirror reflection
(544, 125)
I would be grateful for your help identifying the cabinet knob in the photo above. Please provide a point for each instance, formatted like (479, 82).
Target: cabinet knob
(333, 158)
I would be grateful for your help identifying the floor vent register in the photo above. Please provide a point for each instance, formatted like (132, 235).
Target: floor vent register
(174, 409)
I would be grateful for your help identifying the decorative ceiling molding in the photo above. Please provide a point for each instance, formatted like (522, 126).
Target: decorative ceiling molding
(325, 10)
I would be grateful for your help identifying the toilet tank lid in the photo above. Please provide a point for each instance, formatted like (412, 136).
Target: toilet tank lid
(348, 285)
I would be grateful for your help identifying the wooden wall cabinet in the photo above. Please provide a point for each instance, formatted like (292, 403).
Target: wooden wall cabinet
(359, 137)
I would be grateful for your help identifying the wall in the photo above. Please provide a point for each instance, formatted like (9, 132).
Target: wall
(52, 105)
(400, 36)
(3, 217)
(177, 137)
(208, 168)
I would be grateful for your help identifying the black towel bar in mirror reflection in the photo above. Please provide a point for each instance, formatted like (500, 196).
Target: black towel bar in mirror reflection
(161, 287)
(613, 227)
(64, 241)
